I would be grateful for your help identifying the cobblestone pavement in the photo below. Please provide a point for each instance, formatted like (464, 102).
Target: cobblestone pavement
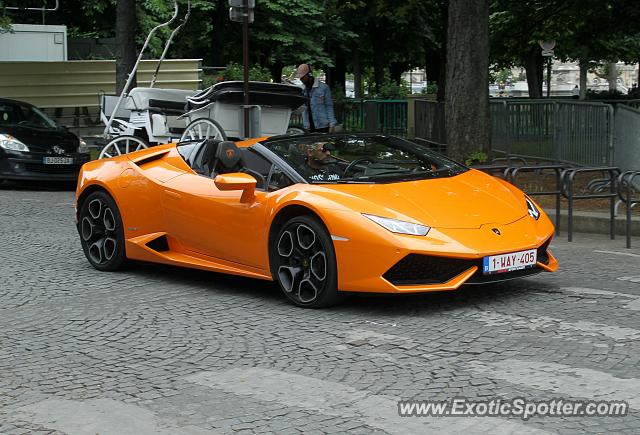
(170, 351)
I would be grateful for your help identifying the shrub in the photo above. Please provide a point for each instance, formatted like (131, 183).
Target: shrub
(235, 71)
(476, 158)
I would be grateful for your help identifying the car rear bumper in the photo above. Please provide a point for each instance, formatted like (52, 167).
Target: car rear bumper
(32, 167)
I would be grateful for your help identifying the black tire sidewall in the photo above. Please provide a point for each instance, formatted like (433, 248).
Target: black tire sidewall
(119, 258)
(329, 294)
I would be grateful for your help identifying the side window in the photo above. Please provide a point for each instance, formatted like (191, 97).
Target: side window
(256, 165)
(278, 180)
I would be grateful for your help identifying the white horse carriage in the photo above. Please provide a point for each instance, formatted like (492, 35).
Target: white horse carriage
(150, 116)
(218, 112)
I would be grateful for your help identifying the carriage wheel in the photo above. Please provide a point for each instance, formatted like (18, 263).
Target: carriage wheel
(203, 128)
(122, 145)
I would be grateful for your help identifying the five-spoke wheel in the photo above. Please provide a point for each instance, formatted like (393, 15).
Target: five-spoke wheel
(304, 263)
(101, 232)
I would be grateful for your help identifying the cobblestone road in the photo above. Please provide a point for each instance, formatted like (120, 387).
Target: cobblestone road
(164, 350)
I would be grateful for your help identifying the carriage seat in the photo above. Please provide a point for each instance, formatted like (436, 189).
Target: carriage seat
(169, 101)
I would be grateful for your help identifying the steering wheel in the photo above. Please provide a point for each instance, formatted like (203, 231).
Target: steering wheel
(353, 164)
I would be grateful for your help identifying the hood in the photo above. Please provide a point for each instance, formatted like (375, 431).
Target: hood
(42, 140)
(468, 200)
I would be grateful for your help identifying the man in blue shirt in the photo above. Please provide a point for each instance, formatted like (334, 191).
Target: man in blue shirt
(318, 115)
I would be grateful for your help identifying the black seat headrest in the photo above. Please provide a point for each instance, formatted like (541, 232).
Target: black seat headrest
(228, 154)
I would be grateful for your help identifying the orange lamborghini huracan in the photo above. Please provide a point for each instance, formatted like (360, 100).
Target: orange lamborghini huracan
(321, 214)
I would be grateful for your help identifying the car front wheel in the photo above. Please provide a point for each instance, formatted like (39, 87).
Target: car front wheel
(304, 263)
(101, 232)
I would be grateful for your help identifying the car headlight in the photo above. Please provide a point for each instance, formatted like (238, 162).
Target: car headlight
(10, 143)
(400, 227)
(82, 146)
(531, 208)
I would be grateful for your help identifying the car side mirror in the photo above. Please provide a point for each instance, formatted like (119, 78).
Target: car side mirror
(237, 181)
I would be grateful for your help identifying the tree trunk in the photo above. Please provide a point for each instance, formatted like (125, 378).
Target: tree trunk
(220, 16)
(534, 66)
(432, 61)
(396, 69)
(612, 76)
(467, 88)
(337, 75)
(126, 55)
(378, 37)
(276, 71)
(357, 73)
(442, 83)
(583, 79)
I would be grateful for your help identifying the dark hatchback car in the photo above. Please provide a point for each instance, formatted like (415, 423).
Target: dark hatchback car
(34, 147)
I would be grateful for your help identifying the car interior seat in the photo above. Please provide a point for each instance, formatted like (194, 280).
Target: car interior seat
(228, 159)
(205, 161)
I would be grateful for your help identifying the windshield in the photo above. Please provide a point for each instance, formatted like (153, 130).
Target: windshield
(361, 159)
(14, 114)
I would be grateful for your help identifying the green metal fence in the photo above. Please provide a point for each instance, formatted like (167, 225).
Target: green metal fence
(379, 116)
(627, 138)
(563, 131)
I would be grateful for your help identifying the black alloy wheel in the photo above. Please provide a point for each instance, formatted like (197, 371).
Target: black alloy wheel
(101, 232)
(303, 262)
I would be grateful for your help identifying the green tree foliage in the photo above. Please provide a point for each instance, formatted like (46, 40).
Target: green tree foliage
(5, 24)
(288, 32)
(588, 31)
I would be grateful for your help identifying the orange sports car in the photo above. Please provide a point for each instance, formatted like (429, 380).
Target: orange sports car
(321, 214)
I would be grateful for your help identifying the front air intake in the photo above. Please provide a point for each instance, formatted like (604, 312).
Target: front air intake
(416, 269)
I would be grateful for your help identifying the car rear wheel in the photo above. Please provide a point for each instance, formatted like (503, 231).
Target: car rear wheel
(101, 232)
(304, 263)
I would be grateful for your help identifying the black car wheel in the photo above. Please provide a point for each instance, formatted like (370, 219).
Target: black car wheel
(304, 263)
(101, 232)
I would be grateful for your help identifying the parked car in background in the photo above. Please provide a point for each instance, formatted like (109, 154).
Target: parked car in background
(34, 147)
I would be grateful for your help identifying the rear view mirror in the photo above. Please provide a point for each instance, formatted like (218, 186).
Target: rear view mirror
(237, 181)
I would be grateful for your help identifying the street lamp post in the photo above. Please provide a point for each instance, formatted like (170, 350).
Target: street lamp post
(242, 11)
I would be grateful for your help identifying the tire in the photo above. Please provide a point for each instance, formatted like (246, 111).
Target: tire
(101, 232)
(303, 262)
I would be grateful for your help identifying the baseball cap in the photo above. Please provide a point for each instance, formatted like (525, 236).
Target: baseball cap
(303, 70)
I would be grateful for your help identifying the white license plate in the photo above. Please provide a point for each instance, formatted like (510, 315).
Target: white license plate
(57, 160)
(509, 262)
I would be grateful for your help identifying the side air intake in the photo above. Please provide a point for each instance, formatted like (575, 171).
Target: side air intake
(160, 244)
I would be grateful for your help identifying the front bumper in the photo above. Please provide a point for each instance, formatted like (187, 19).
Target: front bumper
(443, 260)
(31, 166)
